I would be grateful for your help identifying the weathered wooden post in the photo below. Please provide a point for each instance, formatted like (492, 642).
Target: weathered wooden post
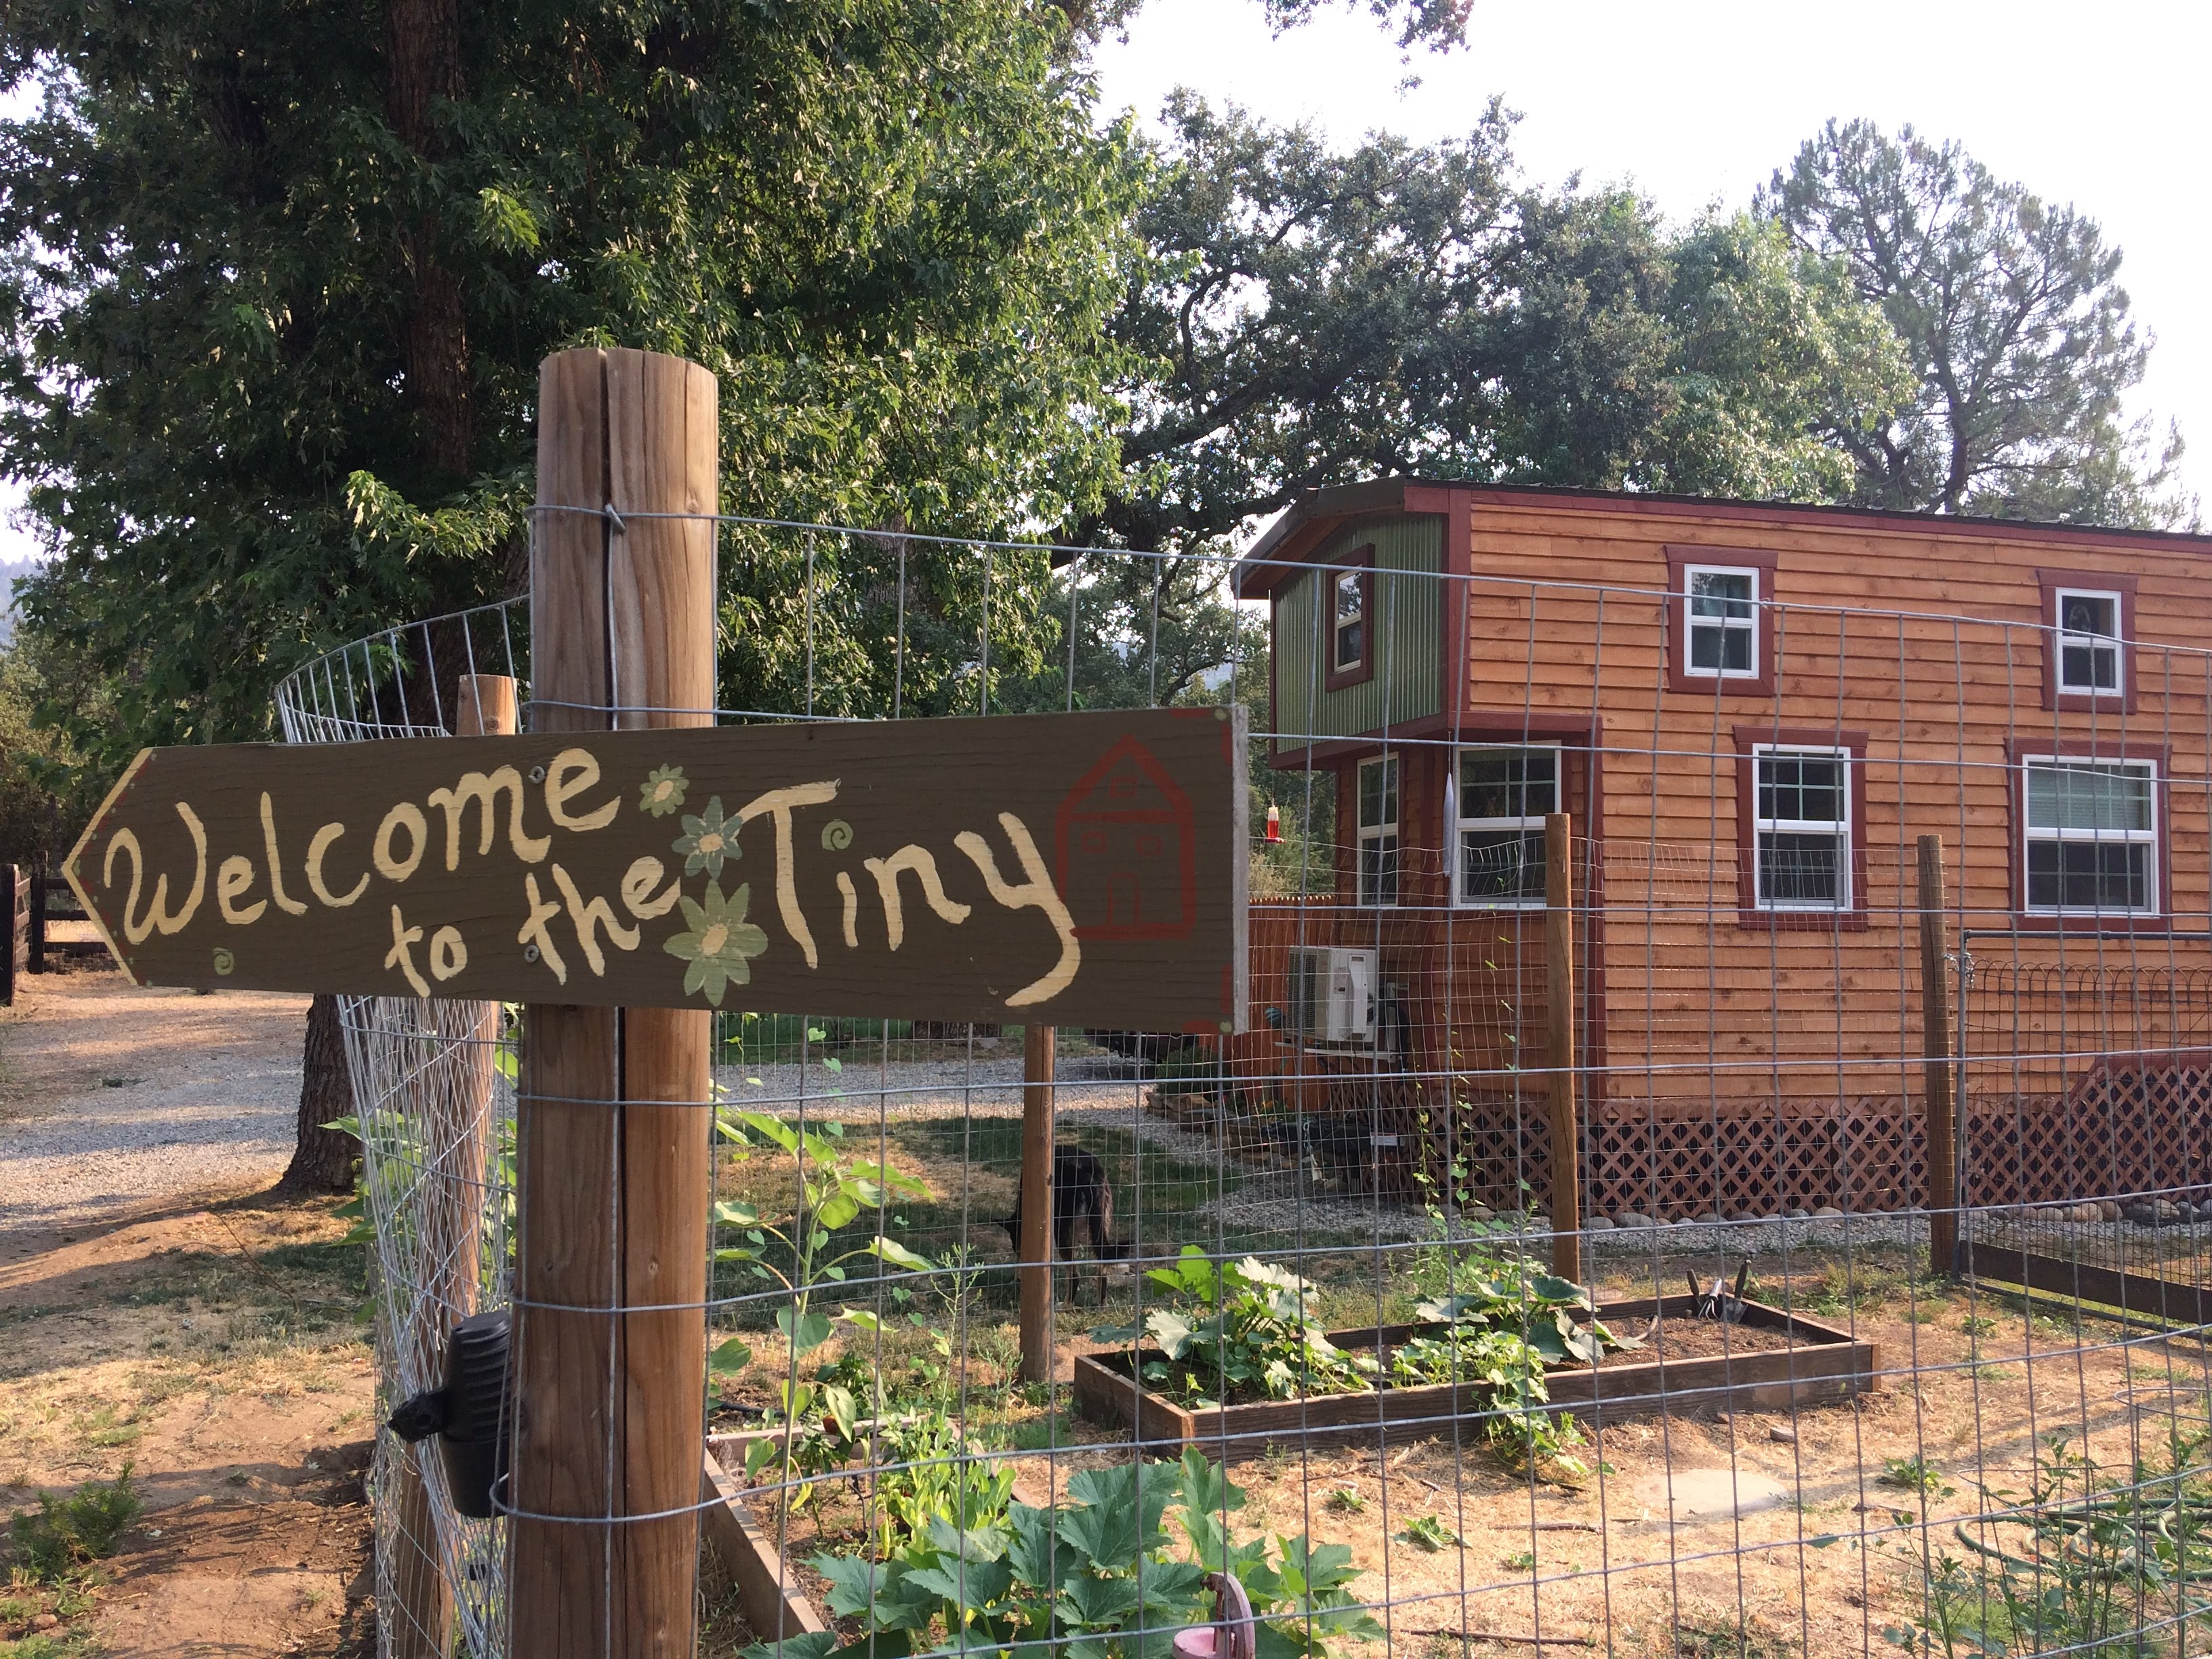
(612, 1190)
(452, 1232)
(1559, 1037)
(1935, 1041)
(1040, 1050)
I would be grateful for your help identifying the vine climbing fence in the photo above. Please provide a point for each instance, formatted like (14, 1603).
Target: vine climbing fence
(1866, 1448)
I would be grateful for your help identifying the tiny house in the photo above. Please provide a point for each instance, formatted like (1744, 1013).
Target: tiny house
(1751, 714)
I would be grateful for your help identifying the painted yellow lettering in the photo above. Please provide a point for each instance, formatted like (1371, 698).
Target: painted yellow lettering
(285, 901)
(534, 935)
(401, 954)
(573, 772)
(886, 873)
(157, 911)
(317, 850)
(587, 918)
(779, 805)
(637, 895)
(851, 910)
(233, 880)
(408, 816)
(484, 788)
(448, 953)
(1036, 893)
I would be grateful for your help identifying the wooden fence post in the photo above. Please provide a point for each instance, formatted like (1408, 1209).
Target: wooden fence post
(452, 1237)
(1559, 1035)
(18, 935)
(40, 873)
(1040, 1050)
(612, 1198)
(1935, 1041)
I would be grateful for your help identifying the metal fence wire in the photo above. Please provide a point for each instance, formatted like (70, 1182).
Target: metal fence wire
(1316, 1339)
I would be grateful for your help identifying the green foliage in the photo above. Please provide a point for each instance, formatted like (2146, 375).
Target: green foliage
(47, 793)
(1430, 1534)
(2079, 1564)
(1241, 1330)
(2012, 314)
(925, 1473)
(830, 1190)
(1914, 1474)
(1503, 1329)
(64, 1536)
(1090, 1572)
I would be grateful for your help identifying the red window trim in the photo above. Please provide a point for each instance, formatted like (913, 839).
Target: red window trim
(2094, 581)
(1749, 914)
(2017, 750)
(1675, 632)
(1361, 558)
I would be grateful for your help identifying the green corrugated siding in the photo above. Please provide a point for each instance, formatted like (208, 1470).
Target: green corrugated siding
(1409, 610)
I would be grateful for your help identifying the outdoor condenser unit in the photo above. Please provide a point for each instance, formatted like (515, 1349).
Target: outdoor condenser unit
(1333, 995)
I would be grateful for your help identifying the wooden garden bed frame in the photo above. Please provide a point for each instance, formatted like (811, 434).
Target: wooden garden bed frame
(1824, 1364)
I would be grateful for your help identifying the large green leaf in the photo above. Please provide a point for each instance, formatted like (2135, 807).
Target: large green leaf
(806, 1331)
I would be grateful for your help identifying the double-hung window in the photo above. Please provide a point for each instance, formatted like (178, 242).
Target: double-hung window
(1504, 795)
(1377, 830)
(1801, 828)
(2090, 836)
(1348, 636)
(2090, 662)
(1720, 622)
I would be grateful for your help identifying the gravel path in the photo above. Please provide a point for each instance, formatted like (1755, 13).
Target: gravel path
(113, 1097)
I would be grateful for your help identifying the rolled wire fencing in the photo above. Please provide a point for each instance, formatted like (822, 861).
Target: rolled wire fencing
(1862, 1451)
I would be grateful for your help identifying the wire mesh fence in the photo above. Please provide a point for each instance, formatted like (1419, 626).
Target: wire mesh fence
(1309, 1330)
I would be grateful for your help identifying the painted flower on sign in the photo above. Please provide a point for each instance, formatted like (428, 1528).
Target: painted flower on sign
(719, 943)
(664, 791)
(707, 839)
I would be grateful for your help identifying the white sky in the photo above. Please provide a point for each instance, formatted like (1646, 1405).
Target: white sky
(1698, 101)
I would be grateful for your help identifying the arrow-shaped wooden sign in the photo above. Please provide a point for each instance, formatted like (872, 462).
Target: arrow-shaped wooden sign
(1087, 867)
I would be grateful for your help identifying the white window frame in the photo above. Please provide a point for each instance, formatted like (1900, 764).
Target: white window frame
(1692, 623)
(2030, 834)
(1362, 832)
(1841, 827)
(2115, 643)
(1358, 576)
(1463, 825)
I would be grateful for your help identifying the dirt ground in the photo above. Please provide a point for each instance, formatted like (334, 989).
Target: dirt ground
(205, 1340)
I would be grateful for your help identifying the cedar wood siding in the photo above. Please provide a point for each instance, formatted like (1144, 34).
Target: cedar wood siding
(1728, 1004)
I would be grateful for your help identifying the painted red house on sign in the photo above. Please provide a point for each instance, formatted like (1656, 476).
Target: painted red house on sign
(1125, 854)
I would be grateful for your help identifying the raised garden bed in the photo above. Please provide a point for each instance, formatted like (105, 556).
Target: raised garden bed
(1773, 1359)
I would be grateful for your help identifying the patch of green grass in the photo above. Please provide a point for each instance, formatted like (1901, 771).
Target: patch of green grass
(1914, 1474)
(1724, 1638)
(106, 1427)
(1979, 1325)
(64, 1536)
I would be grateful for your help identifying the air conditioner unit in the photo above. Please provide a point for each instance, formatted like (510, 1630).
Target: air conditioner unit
(1333, 995)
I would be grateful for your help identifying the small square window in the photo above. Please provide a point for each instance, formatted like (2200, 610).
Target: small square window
(2089, 641)
(1721, 621)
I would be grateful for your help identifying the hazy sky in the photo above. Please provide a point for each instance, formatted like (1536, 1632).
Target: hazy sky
(1698, 101)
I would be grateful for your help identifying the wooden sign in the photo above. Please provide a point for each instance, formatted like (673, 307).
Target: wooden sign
(1088, 868)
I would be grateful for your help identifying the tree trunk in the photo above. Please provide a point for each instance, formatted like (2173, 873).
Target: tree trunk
(323, 1160)
(422, 62)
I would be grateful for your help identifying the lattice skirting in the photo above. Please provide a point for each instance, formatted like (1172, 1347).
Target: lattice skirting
(2130, 1125)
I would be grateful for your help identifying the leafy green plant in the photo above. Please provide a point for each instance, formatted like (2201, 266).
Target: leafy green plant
(1346, 1500)
(1245, 1330)
(1099, 1574)
(926, 1472)
(1431, 1535)
(831, 1190)
(64, 1536)
(1501, 1332)
(1525, 1561)
(1914, 1474)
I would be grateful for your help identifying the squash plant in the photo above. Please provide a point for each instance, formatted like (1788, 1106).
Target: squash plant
(1245, 1328)
(1096, 1577)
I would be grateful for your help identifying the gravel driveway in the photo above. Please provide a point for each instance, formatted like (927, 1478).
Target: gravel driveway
(113, 1097)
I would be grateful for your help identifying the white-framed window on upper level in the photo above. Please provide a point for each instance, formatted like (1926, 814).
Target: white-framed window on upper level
(2089, 836)
(1377, 830)
(2091, 660)
(1721, 621)
(1500, 807)
(1351, 644)
(1800, 828)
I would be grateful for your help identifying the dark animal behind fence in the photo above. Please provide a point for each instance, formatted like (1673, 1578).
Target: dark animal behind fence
(1080, 1193)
